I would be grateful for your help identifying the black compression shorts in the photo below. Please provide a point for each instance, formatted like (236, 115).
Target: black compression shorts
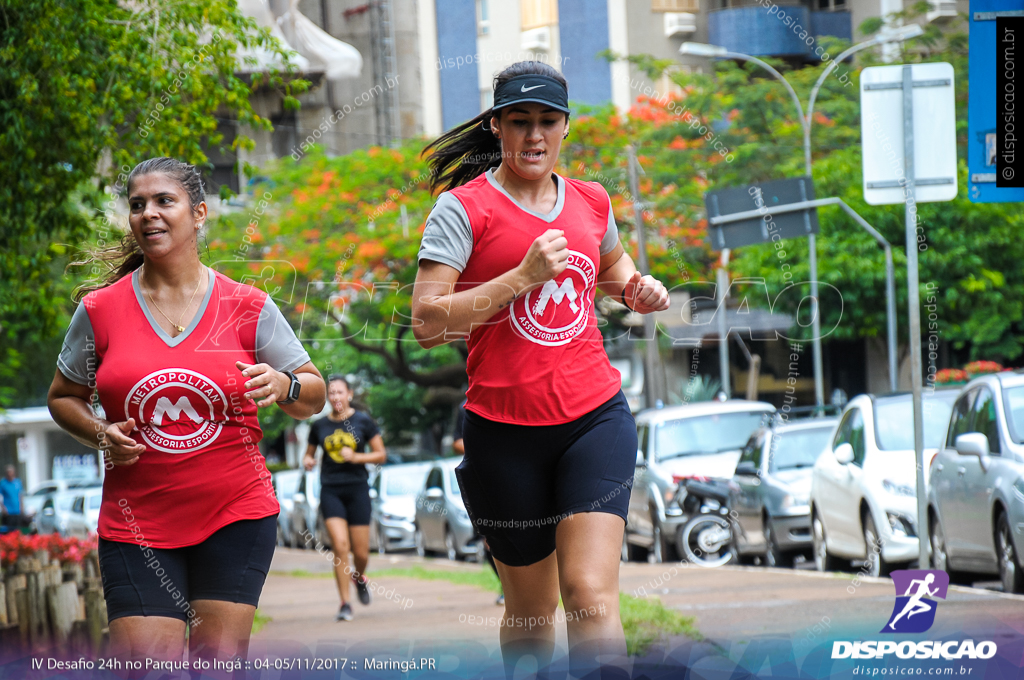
(350, 502)
(519, 481)
(231, 566)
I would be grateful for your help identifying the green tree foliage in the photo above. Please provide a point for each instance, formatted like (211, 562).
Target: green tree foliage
(87, 89)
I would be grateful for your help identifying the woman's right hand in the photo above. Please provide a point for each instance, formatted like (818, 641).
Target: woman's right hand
(118, 447)
(547, 258)
(309, 462)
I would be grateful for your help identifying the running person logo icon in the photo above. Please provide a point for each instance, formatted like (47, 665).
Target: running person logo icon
(913, 611)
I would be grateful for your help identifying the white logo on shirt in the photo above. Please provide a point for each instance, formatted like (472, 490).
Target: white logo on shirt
(552, 290)
(159, 401)
(183, 405)
(541, 317)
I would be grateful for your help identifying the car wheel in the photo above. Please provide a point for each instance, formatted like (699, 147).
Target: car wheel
(421, 546)
(1010, 572)
(280, 536)
(823, 560)
(294, 537)
(773, 555)
(451, 547)
(940, 558)
(875, 564)
(624, 556)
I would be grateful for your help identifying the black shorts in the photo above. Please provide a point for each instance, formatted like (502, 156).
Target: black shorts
(519, 481)
(231, 566)
(350, 502)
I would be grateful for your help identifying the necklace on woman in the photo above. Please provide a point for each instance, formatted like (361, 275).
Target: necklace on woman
(177, 325)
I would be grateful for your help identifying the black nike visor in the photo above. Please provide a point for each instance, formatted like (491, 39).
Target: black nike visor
(532, 88)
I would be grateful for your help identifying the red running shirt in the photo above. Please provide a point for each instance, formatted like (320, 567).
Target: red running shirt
(541, 360)
(201, 469)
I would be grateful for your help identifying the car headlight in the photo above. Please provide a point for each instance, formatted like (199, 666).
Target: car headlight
(900, 525)
(898, 489)
(792, 501)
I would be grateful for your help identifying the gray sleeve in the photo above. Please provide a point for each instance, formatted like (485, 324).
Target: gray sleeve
(276, 344)
(77, 359)
(447, 238)
(611, 234)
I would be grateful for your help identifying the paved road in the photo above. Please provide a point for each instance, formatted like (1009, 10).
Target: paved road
(731, 605)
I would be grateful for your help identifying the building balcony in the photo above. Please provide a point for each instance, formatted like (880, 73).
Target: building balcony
(751, 30)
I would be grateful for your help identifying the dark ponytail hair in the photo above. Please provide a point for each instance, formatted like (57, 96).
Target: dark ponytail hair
(468, 150)
(125, 257)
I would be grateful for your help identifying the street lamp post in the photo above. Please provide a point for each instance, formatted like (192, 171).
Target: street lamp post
(897, 35)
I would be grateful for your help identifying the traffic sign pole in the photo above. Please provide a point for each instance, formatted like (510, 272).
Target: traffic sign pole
(914, 302)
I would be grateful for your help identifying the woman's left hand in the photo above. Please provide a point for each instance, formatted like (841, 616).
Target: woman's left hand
(646, 294)
(264, 383)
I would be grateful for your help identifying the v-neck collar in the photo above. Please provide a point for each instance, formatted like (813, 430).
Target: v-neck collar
(551, 216)
(161, 333)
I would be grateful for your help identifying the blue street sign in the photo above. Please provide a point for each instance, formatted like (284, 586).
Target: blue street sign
(984, 141)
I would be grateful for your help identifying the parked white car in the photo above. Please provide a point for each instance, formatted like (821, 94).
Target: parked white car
(976, 484)
(863, 487)
(286, 485)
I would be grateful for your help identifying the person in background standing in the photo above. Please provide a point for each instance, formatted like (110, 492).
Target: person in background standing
(11, 498)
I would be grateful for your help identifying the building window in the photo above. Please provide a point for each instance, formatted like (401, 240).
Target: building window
(831, 5)
(486, 98)
(537, 13)
(675, 5)
(483, 18)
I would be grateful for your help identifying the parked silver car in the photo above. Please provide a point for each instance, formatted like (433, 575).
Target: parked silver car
(54, 507)
(393, 498)
(442, 523)
(702, 439)
(305, 515)
(771, 490)
(976, 484)
(286, 485)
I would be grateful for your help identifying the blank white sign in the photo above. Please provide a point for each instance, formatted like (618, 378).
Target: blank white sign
(934, 134)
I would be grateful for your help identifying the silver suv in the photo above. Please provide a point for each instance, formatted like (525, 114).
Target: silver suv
(976, 484)
(675, 442)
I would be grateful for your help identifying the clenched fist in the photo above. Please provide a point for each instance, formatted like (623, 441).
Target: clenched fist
(645, 294)
(546, 258)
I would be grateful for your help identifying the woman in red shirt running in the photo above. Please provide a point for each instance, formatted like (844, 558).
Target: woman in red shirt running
(510, 258)
(180, 357)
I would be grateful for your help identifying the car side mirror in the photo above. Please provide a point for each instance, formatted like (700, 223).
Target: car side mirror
(373, 493)
(844, 453)
(639, 458)
(299, 498)
(747, 468)
(48, 512)
(972, 444)
(434, 493)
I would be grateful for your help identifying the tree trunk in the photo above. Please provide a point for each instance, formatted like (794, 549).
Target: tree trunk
(63, 608)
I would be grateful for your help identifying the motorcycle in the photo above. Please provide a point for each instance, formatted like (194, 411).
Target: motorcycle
(707, 538)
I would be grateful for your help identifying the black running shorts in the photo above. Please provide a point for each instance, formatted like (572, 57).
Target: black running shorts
(350, 502)
(231, 566)
(519, 481)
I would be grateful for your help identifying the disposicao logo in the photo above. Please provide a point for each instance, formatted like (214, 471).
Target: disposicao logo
(914, 612)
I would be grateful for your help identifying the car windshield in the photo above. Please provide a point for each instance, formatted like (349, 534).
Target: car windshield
(894, 421)
(798, 448)
(398, 482)
(454, 481)
(714, 433)
(1014, 403)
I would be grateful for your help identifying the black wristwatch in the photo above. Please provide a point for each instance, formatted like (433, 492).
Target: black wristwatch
(293, 389)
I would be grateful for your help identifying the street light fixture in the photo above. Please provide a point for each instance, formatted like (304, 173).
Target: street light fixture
(899, 34)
